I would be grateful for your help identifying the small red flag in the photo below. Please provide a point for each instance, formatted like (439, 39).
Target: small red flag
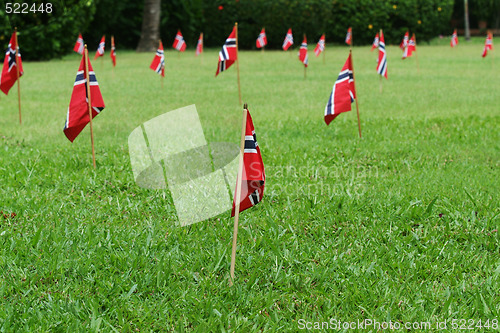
(9, 71)
(228, 55)
(253, 175)
(79, 44)
(343, 93)
(348, 37)
(375, 42)
(158, 63)
(78, 110)
(288, 40)
(100, 49)
(199, 46)
(112, 54)
(262, 39)
(404, 42)
(320, 47)
(488, 44)
(454, 39)
(303, 52)
(179, 43)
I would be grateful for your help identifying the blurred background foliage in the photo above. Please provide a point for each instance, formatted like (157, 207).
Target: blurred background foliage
(44, 36)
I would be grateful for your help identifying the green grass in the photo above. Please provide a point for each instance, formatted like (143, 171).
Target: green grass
(401, 225)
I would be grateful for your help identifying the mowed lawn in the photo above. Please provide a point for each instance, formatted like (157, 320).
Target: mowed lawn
(400, 225)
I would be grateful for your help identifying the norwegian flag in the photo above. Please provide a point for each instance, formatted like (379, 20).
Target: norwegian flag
(262, 39)
(9, 71)
(488, 44)
(112, 54)
(320, 47)
(100, 49)
(382, 57)
(78, 110)
(343, 93)
(375, 42)
(348, 36)
(404, 42)
(288, 40)
(454, 39)
(228, 55)
(179, 43)
(303, 52)
(199, 45)
(410, 48)
(253, 175)
(158, 63)
(79, 44)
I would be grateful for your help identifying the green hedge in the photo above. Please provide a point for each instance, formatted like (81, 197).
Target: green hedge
(427, 18)
(45, 36)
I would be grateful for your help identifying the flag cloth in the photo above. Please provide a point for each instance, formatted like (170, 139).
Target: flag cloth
(348, 36)
(303, 52)
(100, 49)
(262, 39)
(158, 63)
(375, 42)
(404, 42)
(228, 55)
(199, 46)
(253, 175)
(79, 44)
(382, 57)
(410, 48)
(320, 47)
(288, 40)
(454, 39)
(78, 110)
(9, 71)
(488, 44)
(179, 43)
(343, 93)
(112, 54)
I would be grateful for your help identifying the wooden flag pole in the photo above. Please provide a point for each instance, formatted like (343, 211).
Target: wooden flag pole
(356, 99)
(324, 50)
(18, 77)
(416, 53)
(87, 79)
(238, 193)
(238, 63)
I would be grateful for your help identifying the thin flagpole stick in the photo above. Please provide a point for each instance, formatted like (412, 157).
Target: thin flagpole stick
(87, 79)
(238, 63)
(18, 77)
(324, 50)
(416, 53)
(238, 194)
(356, 99)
